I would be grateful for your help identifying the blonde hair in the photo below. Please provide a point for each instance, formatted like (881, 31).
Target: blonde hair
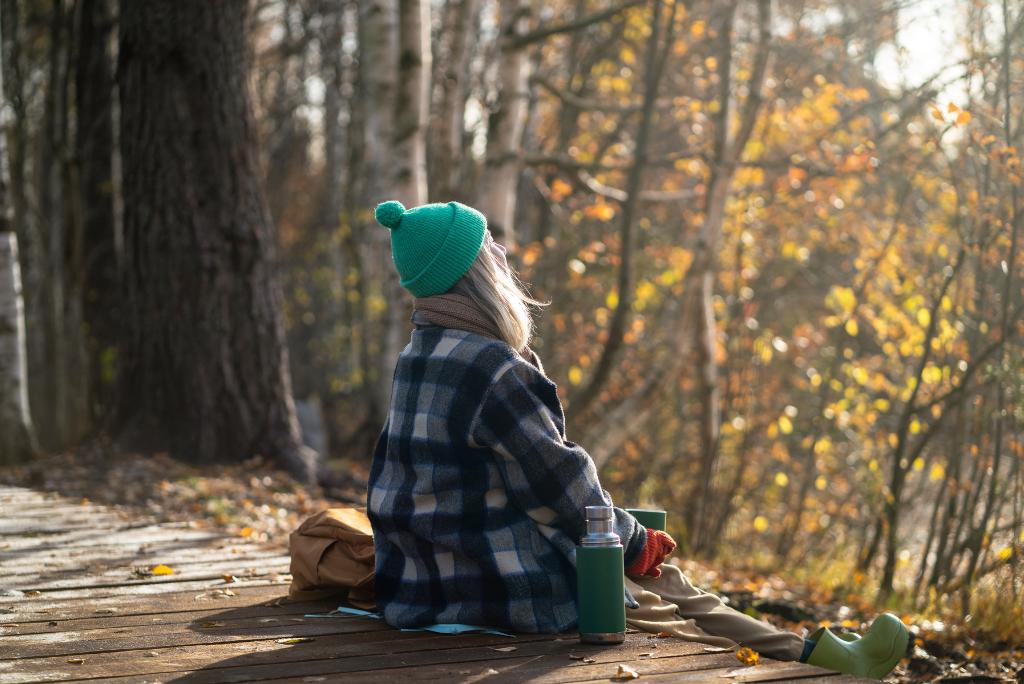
(502, 296)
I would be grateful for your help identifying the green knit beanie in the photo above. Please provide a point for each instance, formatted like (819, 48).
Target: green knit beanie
(432, 245)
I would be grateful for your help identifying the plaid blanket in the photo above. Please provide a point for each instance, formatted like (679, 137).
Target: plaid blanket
(476, 498)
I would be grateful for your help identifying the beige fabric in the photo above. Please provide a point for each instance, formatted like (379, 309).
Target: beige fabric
(454, 310)
(671, 603)
(332, 553)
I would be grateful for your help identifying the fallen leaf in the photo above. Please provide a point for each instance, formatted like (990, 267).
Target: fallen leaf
(625, 672)
(663, 635)
(161, 570)
(245, 532)
(229, 578)
(295, 640)
(505, 649)
(76, 661)
(747, 656)
(33, 593)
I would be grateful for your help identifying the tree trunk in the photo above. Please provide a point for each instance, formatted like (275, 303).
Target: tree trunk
(378, 40)
(205, 371)
(24, 221)
(411, 105)
(56, 419)
(449, 122)
(95, 142)
(17, 438)
(500, 177)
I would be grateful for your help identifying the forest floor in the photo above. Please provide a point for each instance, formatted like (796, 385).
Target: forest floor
(255, 501)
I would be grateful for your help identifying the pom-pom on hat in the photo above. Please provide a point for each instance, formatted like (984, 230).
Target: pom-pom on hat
(432, 245)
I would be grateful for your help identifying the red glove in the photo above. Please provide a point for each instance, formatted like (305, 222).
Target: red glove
(659, 545)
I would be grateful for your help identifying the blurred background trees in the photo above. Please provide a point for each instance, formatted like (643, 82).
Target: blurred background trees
(785, 271)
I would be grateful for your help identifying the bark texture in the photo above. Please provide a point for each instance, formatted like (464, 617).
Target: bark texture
(17, 440)
(94, 148)
(205, 366)
(500, 177)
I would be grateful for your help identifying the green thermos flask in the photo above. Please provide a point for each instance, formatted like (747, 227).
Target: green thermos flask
(600, 580)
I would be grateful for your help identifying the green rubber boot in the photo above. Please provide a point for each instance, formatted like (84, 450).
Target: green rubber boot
(874, 655)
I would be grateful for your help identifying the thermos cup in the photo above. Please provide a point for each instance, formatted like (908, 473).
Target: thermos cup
(600, 580)
(649, 517)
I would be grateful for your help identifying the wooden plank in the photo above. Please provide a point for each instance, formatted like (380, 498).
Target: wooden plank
(120, 593)
(201, 613)
(121, 536)
(440, 660)
(43, 610)
(122, 576)
(53, 564)
(221, 630)
(286, 658)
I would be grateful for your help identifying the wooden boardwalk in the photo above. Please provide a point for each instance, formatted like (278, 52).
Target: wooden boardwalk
(77, 603)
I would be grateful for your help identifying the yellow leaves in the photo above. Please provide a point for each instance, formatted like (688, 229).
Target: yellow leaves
(612, 300)
(851, 327)
(530, 254)
(761, 523)
(918, 464)
(645, 292)
(937, 472)
(161, 570)
(560, 190)
(781, 479)
(937, 115)
(963, 118)
(600, 210)
(747, 656)
(785, 425)
(245, 532)
(711, 63)
(931, 375)
(857, 94)
(575, 375)
(882, 404)
(820, 483)
(698, 28)
(860, 375)
(1005, 553)
(625, 672)
(841, 299)
(924, 317)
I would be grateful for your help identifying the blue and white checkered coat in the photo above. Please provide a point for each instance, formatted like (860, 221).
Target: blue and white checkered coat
(476, 498)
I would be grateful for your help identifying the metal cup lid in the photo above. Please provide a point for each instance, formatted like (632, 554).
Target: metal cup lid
(599, 512)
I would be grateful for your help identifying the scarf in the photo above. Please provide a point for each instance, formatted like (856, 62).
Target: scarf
(454, 310)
